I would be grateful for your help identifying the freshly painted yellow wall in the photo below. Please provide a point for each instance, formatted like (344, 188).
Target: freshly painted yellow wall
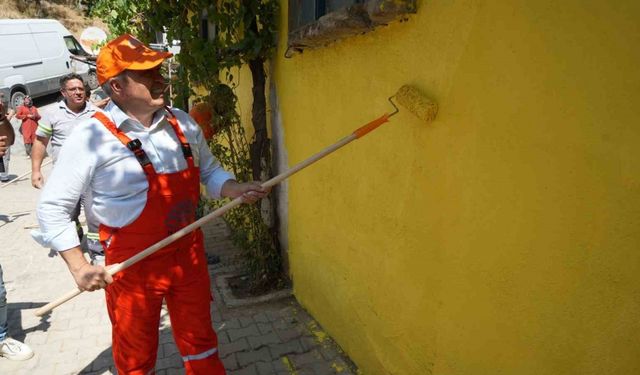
(503, 238)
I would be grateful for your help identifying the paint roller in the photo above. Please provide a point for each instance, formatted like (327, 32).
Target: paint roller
(407, 96)
(410, 98)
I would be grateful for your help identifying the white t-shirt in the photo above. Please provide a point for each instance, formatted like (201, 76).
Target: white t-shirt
(58, 123)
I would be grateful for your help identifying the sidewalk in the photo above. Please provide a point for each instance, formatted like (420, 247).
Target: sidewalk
(275, 337)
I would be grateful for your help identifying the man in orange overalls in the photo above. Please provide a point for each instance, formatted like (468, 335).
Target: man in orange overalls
(143, 164)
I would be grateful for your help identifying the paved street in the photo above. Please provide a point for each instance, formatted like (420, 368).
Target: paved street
(275, 337)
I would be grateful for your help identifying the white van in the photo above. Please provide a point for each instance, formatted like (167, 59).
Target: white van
(35, 54)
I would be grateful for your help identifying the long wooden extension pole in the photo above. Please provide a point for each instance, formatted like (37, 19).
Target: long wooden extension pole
(360, 132)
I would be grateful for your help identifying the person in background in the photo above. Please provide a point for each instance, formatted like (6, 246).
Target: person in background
(57, 124)
(29, 115)
(9, 348)
(7, 135)
(5, 151)
(55, 127)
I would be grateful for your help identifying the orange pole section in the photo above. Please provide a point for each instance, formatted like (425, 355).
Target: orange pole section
(363, 130)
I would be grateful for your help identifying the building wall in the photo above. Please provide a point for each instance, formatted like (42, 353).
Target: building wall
(504, 237)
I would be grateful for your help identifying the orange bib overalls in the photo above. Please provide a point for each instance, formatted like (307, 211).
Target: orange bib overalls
(177, 273)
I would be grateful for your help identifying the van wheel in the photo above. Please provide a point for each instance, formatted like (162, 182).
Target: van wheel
(17, 99)
(92, 80)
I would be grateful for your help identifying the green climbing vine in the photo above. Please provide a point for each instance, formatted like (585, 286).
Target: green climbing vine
(243, 33)
(122, 16)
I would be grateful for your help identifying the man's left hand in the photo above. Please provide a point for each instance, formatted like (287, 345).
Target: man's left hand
(250, 192)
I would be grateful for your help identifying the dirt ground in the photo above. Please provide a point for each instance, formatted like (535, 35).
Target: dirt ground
(65, 11)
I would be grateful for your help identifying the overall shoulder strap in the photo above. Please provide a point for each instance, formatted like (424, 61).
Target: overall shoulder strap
(184, 144)
(134, 145)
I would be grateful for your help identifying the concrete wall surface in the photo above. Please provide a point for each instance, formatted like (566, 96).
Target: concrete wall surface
(502, 238)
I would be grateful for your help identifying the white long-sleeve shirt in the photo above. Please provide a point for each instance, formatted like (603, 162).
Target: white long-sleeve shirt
(93, 158)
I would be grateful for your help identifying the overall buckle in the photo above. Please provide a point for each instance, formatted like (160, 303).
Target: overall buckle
(136, 146)
(186, 150)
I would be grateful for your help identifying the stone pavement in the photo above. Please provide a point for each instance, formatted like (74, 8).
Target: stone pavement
(273, 337)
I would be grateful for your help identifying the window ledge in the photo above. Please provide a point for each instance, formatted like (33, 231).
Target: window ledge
(352, 20)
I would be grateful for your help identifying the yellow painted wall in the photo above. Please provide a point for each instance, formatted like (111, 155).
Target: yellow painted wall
(504, 238)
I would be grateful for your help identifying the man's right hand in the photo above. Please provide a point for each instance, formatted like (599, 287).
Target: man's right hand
(87, 277)
(37, 181)
(90, 278)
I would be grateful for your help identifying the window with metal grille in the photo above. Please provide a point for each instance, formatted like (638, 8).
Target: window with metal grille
(315, 23)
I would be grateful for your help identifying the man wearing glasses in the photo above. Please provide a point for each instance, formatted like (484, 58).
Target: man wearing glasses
(55, 127)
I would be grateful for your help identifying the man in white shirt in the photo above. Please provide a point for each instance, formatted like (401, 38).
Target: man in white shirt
(143, 164)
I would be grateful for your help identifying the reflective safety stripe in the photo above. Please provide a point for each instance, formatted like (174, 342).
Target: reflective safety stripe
(93, 236)
(195, 357)
(45, 130)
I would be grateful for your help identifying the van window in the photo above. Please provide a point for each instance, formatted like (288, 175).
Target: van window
(74, 46)
(49, 44)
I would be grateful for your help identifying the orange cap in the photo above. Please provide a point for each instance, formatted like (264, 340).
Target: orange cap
(126, 52)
